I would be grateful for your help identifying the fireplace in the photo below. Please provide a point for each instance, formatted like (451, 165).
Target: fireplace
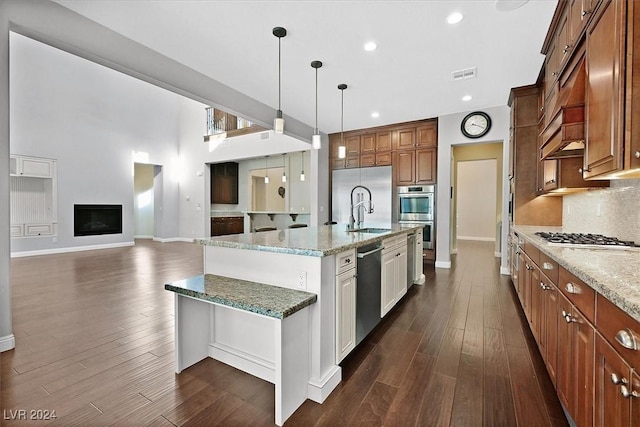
(92, 220)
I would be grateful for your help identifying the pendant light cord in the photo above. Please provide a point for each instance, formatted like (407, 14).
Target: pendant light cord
(279, 73)
(342, 117)
(316, 100)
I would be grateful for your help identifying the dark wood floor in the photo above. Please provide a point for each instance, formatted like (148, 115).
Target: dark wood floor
(94, 334)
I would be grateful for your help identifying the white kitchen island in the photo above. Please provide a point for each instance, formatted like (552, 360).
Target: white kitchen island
(304, 259)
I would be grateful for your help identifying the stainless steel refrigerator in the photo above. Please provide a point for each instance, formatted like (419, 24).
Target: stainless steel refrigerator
(377, 179)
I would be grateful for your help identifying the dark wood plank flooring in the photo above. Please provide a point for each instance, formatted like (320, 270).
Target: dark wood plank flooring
(94, 333)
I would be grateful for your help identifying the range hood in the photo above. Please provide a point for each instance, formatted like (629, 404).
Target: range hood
(564, 136)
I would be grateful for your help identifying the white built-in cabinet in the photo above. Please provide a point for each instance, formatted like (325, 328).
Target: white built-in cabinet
(345, 303)
(33, 196)
(394, 272)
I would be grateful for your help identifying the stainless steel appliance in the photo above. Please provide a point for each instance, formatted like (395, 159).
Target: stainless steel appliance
(416, 203)
(428, 232)
(582, 240)
(368, 295)
(377, 180)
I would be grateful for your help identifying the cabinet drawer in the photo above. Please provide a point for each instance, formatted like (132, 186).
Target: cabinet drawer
(393, 242)
(611, 321)
(579, 293)
(549, 267)
(16, 230)
(38, 229)
(345, 261)
(532, 252)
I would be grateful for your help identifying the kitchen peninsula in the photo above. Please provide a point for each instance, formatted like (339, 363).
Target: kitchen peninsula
(313, 260)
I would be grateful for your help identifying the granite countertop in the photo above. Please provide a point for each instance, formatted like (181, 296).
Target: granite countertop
(613, 273)
(260, 298)
(309, 241)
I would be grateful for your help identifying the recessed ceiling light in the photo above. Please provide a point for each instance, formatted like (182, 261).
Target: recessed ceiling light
(454, 18)
(370, 46)
(467, 98)
(375, 114)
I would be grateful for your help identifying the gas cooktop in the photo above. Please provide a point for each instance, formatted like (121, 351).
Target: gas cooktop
(586, 240)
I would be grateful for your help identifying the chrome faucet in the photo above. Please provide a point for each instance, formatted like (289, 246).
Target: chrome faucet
(352, 220)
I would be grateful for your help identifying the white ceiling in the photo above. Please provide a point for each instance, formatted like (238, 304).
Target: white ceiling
(407, 78)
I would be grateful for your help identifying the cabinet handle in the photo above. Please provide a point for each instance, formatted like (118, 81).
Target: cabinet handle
(585, 13)
(547, 266)
(627, 339)
(570, 319)
(529, 267)
(624, 391)
(544, 287)
(572, 288)
(617, 380)
(566, 48)
(347, 261)
(554, 74)
(637, 154)
(551, 181)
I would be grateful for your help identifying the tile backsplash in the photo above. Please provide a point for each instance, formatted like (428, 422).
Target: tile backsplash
(614, 211)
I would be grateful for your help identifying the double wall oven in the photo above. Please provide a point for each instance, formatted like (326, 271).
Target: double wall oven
(416, 205)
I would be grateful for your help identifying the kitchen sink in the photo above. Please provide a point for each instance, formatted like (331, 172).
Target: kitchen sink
(371, 230)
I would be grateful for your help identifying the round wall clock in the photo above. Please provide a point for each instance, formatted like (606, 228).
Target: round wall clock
(476, 124)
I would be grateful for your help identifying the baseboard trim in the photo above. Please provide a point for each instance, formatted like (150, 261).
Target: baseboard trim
(479, 239)
(318, 391)
(173, 239)
(443, 264)
(22, 254)
(7, 343)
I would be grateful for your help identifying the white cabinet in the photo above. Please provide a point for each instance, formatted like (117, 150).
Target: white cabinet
(345, 303)
(394, 272)
(33, 196)
(31, 167)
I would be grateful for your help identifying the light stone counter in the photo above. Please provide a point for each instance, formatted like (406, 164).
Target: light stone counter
(309, 241)
(613, 273)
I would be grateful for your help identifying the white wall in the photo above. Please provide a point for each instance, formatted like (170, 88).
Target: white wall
(90, 119)
(476, 206)
(449, 135)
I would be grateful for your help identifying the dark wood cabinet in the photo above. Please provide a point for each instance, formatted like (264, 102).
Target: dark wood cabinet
(368, 143)
(612, 374)
(404, 165)
(527, 207)
(224, 183)
(405, 139)
(427, 135)
(605, 90)
(426, 160)
(221, 226)
(552, 319)
(383, 141)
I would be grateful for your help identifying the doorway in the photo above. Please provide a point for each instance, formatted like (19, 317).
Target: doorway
(145, 201)
(477, 194)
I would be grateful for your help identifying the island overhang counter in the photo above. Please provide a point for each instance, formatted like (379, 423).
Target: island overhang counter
(302, 259)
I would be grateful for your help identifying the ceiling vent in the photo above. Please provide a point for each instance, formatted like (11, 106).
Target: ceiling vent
(468, 73)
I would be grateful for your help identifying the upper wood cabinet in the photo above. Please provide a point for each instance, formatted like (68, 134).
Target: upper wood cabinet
(374, 147)
(224, 183)
(404, 139)
(612, 110)
(427, 135)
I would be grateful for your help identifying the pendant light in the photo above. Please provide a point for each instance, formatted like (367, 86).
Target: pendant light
(302, 167)
(342, 149)
(284, 172)
(316, 143)
(278, 122)
(266, 170)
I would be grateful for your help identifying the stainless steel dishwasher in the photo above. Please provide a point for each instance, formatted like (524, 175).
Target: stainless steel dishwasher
(368, 292)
